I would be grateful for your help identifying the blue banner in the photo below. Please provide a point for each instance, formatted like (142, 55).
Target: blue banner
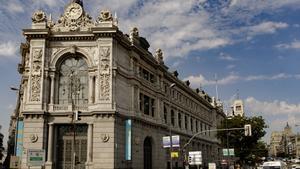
(128, 124)
(19, 138)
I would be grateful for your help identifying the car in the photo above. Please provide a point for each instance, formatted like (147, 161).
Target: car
(296, 166)
(274, 165)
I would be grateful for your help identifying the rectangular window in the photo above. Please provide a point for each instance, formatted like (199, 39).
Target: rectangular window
(145, 74)
(141, 102)
(197, 126)
(185, 122)
(179, 120)
(152, 79)
(201, 125)
(192, 126)
(165, 115)
(172, 118)
(146, 105)
(152, 107)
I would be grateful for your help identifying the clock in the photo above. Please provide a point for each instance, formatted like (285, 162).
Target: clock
(73, 11)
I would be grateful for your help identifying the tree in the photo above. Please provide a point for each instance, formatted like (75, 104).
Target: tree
(247, 148)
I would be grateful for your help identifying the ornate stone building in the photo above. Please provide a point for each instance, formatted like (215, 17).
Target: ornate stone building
(88, 87)
(285, 143)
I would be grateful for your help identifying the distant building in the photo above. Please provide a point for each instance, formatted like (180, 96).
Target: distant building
(237, 108)
(284, 143)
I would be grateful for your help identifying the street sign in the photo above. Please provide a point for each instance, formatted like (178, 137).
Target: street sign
(212, 166)
(167, 141)
(225, 152)
(174, 154)
(36, 157)
(195, 158)
(231, 151)
(228, 152)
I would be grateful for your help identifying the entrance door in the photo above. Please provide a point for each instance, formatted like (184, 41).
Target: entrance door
(65, 146)
(147, 153)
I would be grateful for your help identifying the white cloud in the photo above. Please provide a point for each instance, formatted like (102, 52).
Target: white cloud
(275, 107)
(200, 79)
(293, 45)
(8, 49)
(274, 77)
(234, 78)
(225, 56)
(15, 7)
(266, 27)
(230, 66)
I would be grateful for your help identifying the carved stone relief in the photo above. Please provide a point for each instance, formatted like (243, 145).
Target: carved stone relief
(74, 19)
(104, 71)
(134, 33)
(36, 75)
(105, 16)
(159, 56)
(38, 16)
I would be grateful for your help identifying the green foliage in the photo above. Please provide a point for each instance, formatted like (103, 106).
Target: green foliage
(247, 148)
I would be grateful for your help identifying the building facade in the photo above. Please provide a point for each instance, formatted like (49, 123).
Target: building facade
(238, 108)
(285, 143)
(88, 87)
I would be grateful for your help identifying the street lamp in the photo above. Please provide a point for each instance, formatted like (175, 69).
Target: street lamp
(227, 138)
(75, 91)
(170, 130)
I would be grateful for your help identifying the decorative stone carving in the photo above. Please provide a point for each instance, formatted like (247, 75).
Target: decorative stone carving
(35, 88)
(137, 140)
(104, 16)
(74, 19)
(104, 87)
(134, 33)
(73, 11)
(36, 74)
(104, 76)
(159, 56)
(105, 137)
(34, 138)
(104, 56)
(38, 16)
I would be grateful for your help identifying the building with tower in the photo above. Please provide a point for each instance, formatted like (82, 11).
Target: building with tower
(285, 143)
(237, 108)
(94, 97)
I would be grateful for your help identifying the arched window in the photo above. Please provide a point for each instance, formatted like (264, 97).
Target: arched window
(73, 81)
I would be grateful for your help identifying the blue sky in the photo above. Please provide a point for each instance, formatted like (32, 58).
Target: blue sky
(251, 45)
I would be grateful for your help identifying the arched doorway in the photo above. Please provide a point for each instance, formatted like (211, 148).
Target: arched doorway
(147, 153)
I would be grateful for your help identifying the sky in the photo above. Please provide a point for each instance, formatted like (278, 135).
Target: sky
(250, 47)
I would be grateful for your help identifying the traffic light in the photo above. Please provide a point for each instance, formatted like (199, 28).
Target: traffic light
(77, 115)
(248, 131)
(190, 160)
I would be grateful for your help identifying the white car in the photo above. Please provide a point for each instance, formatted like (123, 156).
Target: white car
(274, 165)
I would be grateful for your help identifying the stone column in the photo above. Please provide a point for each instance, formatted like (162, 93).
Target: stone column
(52, 89)
(49, 162)
(89, 158)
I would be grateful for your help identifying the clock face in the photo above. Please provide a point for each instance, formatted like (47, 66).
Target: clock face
(73, 11)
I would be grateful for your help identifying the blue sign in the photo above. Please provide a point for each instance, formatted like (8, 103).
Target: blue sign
(128, 125)
(19, 137)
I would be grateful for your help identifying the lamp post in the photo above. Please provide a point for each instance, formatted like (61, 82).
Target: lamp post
(16, 116)
(227, 139)
(170, 127)
(75, 91)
